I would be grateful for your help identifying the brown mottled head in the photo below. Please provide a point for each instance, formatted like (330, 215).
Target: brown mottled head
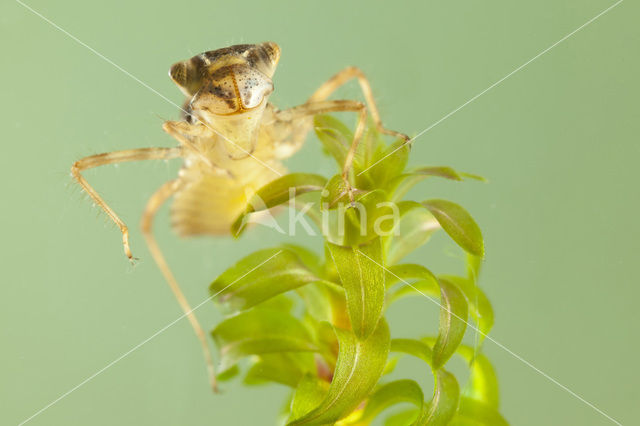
(232, 79)
(228, 88)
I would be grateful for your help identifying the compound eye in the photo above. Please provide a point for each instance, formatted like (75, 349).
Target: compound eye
(253, 87)
(186, 76)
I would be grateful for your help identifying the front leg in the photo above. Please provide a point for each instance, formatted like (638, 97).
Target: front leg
(114, 158)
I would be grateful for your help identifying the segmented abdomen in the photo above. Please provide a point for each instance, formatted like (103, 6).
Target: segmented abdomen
(208, 203)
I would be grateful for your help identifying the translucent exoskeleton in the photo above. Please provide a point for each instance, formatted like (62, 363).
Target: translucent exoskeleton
(231, 141)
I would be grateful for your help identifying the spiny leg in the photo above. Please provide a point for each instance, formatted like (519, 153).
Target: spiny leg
(153, 205)
(114, 158)
(322, 107)
(342, 77)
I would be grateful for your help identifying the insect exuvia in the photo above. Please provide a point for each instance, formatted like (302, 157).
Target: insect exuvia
(231, 141)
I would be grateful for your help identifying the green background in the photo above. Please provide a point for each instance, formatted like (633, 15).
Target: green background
(558, 141)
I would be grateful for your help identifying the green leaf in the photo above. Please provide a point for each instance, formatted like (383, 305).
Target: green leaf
(474, 177)
(281, 302)
(459, 224)
(393, 161)
(346, 223)
(260, 331)
(317, 301)
(415, 227)
(286, 368)
(401, 184)
(309, 394)
(412, 347)
(374, 215)
(444, 403)
(335, 193)
(476, 413)
(453, 307)
(390, 366)
(335, 137)
(483, 381)
(328, 343)
(446, 390)
(480, 307)
(427, 284)
(474, 264)
(390, 394)
(453, 317)
(406, 272)
(228, 374)
(280, 270)
(360, 364)
(309, 257)
(402, 418)
(277, 192)
(362, 275)
(425, 288)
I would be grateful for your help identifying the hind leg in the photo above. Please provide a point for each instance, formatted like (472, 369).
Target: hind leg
(155, 202)
(341, 78)
(310, 109)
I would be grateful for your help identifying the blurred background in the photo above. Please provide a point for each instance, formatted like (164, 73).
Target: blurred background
(558, 142)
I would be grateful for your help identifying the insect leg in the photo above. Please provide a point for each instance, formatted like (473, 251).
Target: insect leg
(154, 203)
(342, 77)
(322, 107)
(114, 158)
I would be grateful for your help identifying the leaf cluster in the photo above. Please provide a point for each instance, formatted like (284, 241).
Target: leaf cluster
(316, 323)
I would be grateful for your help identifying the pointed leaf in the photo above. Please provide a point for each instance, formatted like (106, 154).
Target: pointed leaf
(228, 374)
(453, 322)
(407, 272)
(260, 331)
(403, 418)
(335, 193)
(444, 403)
(459, 224)
(335, 137)
(453, 307)
(390, 366)
(474, 264)
(475, 413)
(412, 347)
(309, 394)
(446, 390)
(362, 275)
(401, 184)
(286, 368)
(360, 364)
(483, 382)
(415, 227)
(280, 270)
(317, 301)
(277, 192)
(389, 394)
(309, 258)
(426, 286)
(480, 307)
(393, 161)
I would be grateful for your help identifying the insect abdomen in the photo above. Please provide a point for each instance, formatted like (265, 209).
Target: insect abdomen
(208, 204)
